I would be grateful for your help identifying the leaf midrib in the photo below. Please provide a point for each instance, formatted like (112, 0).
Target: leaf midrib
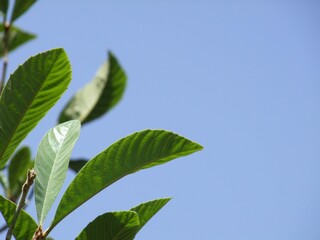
(54, 163)
(121, 176)
(24, 112)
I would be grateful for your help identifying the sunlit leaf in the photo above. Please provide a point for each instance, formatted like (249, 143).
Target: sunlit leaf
(137, 151)
(17, 171)
(20, 7)
(112, 226)
(148, 209)
(76, 165)
(98, 96)
(51, 164)
(30, 92)
(25, 225)
(17, 37)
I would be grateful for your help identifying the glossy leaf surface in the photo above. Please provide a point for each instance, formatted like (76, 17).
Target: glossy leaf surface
(51, 164)
(17, 171)
(112, 226)
(20, 7)
(148, 209)
(25, 225)
(137, 151)
(30, 92)
(98, 96)
(17, 37)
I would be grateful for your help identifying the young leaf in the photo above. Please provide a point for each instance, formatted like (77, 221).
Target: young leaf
(20, 7)
(51, 164)
(17, 171)
(112, 226)
(99, 95)
(17, 37)
(148, 209)
(30, 92)
(76, 165)
(137, 151)
(25, 225)
(4, 4)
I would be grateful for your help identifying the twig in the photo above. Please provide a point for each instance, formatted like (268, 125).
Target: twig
(38, 235)
(25, 188)
(5, 226)
(5, 53)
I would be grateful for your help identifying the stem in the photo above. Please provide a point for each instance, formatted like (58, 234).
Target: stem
(38, 235)
(5, 227)
(25, 188)
(6, 26)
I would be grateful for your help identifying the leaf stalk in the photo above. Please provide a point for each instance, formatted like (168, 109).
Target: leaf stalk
(25, 189)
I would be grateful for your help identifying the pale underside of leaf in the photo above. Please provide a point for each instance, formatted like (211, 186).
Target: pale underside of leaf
(51, 164)
(99, 95)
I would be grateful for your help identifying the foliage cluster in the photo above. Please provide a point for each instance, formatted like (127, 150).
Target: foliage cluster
(30, 92)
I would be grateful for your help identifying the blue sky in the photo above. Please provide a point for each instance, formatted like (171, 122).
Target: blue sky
(239, 77)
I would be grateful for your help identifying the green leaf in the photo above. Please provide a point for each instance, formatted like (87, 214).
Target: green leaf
(17, 171)
(148, 209)
(20, 7)
(112, 226)
(137, 151)
(17, 37)
(99, 95)
(4, 4)
(51, 164)
(4, 181)
(25, 225)
(76, 165)
(30, 92)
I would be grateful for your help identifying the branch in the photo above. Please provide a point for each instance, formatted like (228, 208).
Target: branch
(4, 227)
(25, 189)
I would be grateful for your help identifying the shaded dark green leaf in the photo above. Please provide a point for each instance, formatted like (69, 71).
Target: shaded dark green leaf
(76, 165)
(112, 226)
(28, 95)
(17, 171)
(148, 209)
(137, 151)
(17, 37)
(20, 7)
(25, 225)
(98, 96)
(4, 4)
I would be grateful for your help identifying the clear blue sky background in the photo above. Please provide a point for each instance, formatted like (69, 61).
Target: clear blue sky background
(239, 77)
